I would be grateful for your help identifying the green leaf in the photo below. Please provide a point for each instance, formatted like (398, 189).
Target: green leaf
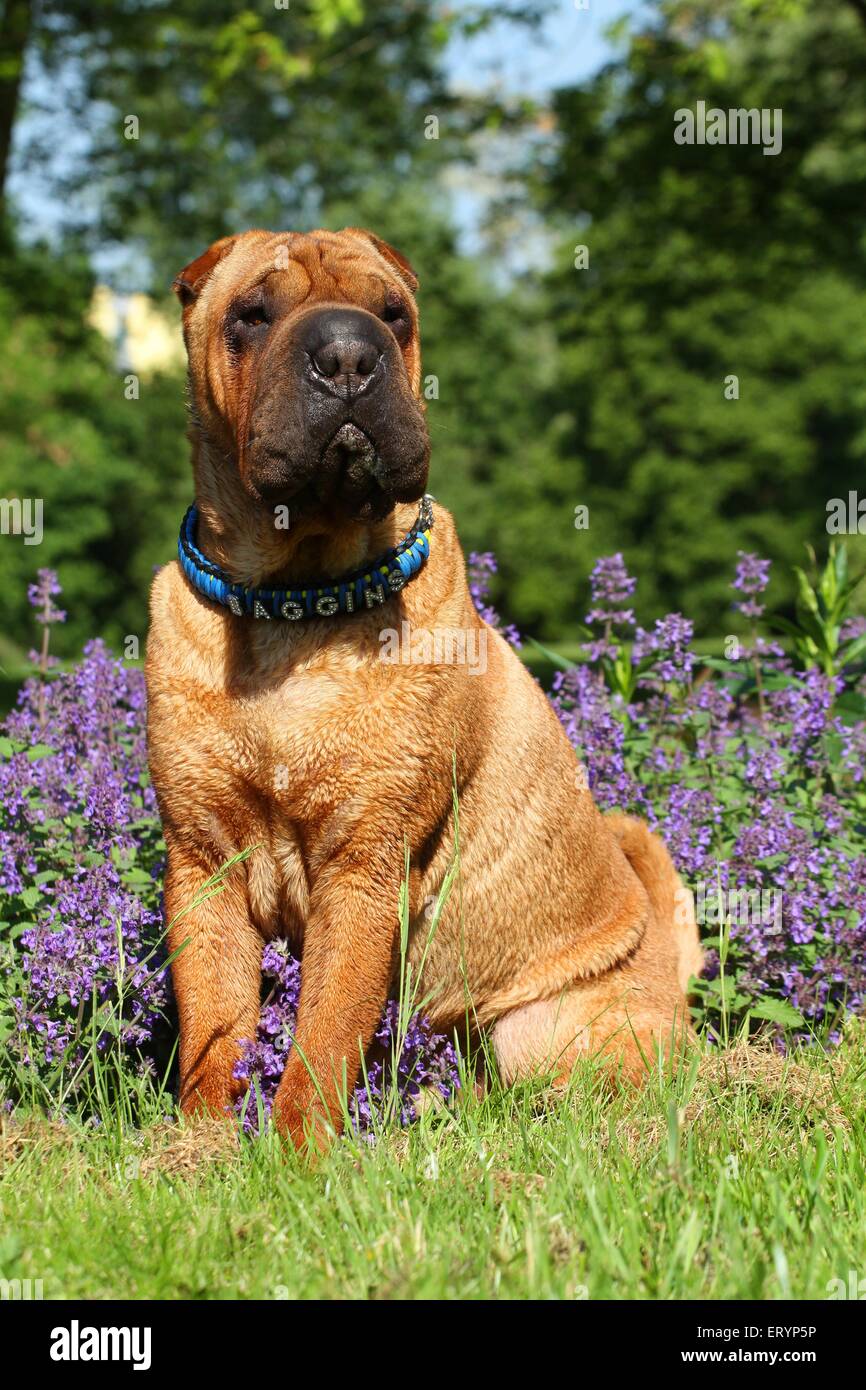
(839, 558)
(852, 650)
(136, 875)
(40, 750)
(552, 656)
(778, 1011)
(812, 626)
(852, 704)
(805, 592)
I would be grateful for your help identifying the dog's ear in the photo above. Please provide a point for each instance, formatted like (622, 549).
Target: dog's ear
(394, 258)
(188, 284)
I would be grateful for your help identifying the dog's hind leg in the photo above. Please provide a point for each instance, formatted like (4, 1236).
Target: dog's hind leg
(629, 1014)
(602, 1018)
(676, 936)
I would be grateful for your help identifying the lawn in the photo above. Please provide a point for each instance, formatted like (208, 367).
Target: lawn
(742, 1177)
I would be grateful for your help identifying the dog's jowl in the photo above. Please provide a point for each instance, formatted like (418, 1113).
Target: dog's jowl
(311, 534)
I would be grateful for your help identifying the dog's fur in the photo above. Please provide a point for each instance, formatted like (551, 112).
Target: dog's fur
(566, 932)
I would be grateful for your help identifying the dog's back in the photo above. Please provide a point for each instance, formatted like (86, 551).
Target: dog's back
(672, 903)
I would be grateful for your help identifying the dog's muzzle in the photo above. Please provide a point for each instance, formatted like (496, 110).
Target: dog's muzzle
(334, 424)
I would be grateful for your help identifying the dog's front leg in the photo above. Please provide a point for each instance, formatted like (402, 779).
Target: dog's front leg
(346, 971)
(216, 977)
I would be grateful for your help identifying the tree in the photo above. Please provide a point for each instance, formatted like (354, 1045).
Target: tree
(317, 114)
(203, 118)
(706, 263)
(15, 24)
(110, 473)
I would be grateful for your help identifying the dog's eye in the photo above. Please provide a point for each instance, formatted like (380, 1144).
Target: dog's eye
(253, 316)
(246, 323)
(396, 315)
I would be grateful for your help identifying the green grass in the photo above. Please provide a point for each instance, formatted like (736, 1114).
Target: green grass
(741, 1177)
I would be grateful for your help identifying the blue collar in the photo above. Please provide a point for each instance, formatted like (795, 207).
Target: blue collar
(360, 591)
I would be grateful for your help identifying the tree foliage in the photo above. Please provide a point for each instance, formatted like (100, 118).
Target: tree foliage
(609, 387)
(205, 118)
(706, 263)
(111, 473)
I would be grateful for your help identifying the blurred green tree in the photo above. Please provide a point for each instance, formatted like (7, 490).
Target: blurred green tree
(205, 118)
(317, 114)
(601, 387)
(111, 472)
(705, 263)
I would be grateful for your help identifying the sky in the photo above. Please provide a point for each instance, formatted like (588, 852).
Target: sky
(569, 47)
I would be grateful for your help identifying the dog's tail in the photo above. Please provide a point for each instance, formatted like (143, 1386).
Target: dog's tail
(672, 902)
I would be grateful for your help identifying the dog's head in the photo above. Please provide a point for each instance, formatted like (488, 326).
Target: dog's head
(305, 367)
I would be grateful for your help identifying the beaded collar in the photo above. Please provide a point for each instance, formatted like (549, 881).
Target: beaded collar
(360, 591)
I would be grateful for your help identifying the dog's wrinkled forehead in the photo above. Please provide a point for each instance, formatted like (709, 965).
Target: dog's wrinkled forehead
(298, 268)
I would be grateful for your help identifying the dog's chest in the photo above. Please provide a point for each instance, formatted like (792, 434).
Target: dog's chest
(300, 746)
(300, 776)
(297, 747)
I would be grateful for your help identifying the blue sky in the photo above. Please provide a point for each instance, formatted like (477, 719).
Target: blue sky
(569, 47)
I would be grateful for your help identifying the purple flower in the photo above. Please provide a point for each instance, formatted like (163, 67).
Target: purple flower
(611, 586)
(42, 594)
(751, 579)
(768, 811)
(407, 1062)
(480, 568)
(79, 852)
(668, 644)
(852, 628)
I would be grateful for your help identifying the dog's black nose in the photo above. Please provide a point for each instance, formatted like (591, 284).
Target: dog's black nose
(346, 357)
(345, 346)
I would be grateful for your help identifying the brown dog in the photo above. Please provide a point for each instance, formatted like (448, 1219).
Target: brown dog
(562, 932)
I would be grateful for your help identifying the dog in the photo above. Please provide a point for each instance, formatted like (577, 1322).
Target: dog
(275, 727)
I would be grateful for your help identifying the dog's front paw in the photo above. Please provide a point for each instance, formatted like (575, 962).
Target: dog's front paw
(301, 1114)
